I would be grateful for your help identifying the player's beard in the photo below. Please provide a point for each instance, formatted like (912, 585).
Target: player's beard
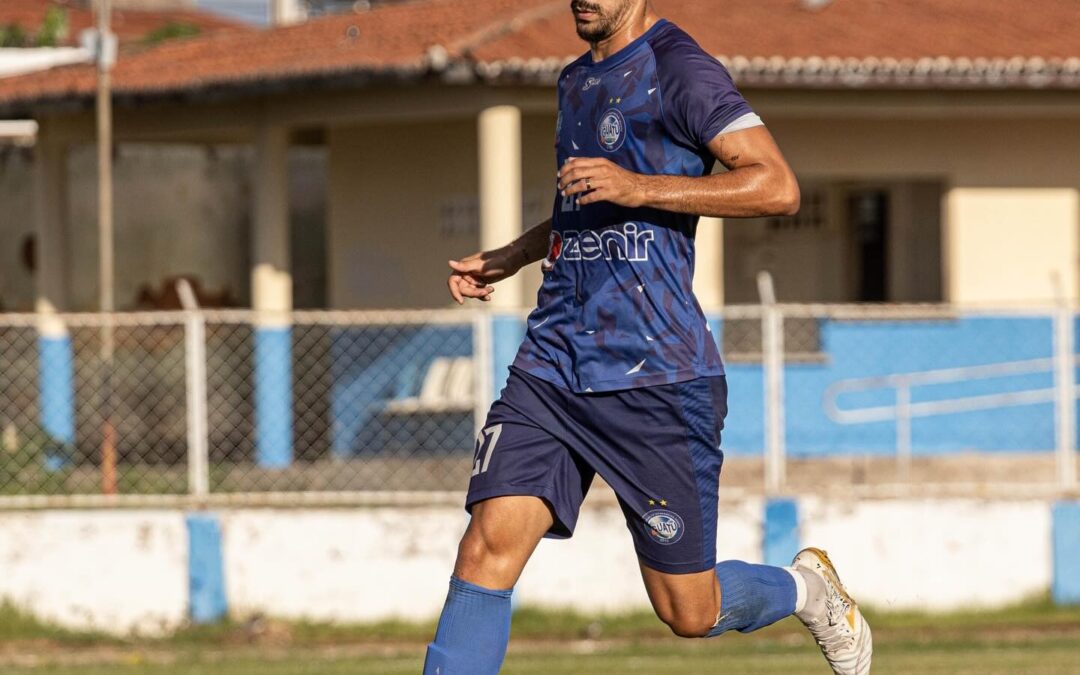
(605, 24)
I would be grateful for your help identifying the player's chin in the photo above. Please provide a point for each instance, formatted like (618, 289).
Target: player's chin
(589, 31)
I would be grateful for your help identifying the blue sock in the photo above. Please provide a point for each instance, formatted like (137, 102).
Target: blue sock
(473, 632)
(752, 596)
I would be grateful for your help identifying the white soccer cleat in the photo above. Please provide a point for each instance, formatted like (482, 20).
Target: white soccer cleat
(836, 622)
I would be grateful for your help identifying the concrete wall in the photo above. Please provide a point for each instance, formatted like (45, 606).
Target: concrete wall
(121, 572)
(180, 210)
(403, 200)
(934, 554)
(126, 571)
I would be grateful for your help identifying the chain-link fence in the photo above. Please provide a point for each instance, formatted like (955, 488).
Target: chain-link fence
(233, 406)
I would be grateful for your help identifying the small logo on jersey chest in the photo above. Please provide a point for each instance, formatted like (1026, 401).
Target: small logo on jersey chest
(590, 83)
(612, 130)
(664, 527)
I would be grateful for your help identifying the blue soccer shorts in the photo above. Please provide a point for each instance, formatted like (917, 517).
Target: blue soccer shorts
(658, 447)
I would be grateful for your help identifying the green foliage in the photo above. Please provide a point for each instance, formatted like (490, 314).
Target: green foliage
(16, 625)
(170, 31)
(53, 30)
(12, 35)
(22, 468)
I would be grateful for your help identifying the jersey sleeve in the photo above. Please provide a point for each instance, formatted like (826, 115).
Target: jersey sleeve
(699, 97)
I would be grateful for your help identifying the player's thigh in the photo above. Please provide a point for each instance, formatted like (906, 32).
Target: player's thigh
(500, 538)
(688, 603)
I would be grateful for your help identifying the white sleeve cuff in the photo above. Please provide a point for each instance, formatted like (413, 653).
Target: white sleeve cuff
(747, 121)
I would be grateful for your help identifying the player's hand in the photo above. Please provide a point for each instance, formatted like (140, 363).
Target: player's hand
(601, 180)
(471, 277)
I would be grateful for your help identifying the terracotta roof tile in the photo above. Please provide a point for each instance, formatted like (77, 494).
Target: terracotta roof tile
(842, 28)
(129, 25)
(848, 42)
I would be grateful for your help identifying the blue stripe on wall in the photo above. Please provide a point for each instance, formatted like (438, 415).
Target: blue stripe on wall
(206, 569)
(273, 397)
(56, 379)
(1066, 552)
(780, 540)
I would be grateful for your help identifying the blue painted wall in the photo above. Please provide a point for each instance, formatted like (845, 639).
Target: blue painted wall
(372, 365)
(855, 349)
(507, 332)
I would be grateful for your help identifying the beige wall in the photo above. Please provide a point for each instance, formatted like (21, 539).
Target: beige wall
(915, 159)
(391, 187)
(1012, 244)
(389, 184)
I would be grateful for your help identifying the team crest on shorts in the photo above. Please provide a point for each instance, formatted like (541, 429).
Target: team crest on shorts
(664, 527)
(612, 131)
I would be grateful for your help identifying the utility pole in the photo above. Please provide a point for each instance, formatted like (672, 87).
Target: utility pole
(106, 301)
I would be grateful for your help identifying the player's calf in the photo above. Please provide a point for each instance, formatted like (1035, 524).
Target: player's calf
(474, 627)
(500, 538)
(686, 603)
(689, 624)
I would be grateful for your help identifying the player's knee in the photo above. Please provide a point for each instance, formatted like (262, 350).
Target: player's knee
(688, 624)
(479, 558)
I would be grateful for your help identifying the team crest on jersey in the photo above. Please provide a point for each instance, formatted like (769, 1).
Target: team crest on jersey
(554, 251)
(590, 83)
(612, 131)
(664, 527)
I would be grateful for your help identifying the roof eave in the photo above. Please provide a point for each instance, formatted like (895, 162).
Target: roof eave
(752, 72)
(216, 91)
(833, 72)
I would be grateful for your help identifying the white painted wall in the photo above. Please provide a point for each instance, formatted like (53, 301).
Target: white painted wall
(126, 571)
(935, 554)
(119, 572)
(355, 565)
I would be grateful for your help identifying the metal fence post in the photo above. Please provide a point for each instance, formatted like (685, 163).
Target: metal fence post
(195, 372)
(772, 360)
(1065, 394)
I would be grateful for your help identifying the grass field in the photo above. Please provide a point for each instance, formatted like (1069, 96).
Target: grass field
(1035, 638)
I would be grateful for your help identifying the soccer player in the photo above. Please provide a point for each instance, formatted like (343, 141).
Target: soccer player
(618, 373)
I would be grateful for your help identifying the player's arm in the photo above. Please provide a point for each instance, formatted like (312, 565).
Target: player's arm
(472, 276)
(758, 182)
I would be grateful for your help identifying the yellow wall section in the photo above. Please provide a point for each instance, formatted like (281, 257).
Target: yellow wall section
(1005, 244)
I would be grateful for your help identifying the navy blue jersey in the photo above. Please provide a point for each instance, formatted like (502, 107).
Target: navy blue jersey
(616, 309)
